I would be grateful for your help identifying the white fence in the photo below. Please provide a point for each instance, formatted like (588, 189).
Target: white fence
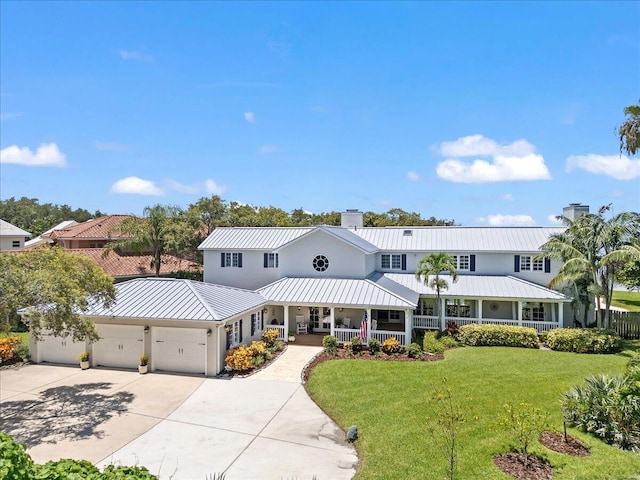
(429, 322)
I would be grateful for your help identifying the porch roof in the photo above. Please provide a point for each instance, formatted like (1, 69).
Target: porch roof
(482, 286)
(336, 291)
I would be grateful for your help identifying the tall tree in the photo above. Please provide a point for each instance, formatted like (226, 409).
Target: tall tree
(429, 269)
(211, 211)
(591, 248)
(628, 131)
(58, 286)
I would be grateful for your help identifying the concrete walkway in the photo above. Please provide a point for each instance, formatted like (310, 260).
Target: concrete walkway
(261, 427)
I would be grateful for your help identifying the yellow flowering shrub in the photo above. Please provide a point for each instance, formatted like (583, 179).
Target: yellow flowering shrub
(7, 347)
(258, 348)
(391, 346)
(239, 358)
(270, 336)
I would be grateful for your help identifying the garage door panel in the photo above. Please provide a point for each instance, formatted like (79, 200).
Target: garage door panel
(59, 349)
(179, 350)
(119, 346)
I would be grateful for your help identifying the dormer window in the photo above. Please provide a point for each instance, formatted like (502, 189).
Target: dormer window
(407, 233)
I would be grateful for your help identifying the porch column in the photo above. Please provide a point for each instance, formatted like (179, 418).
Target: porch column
(520, 313)
(286, 321)
(553, 313)
(408, 326)
(443, 310)
(368, 324)
(480, 310)
(560, 314)
(333, 322)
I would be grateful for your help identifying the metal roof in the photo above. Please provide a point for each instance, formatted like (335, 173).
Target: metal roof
(343, 234)
(421, 239)
(333, 291)
(9, 230)
(481, 286)
(251, 238)
(177, 299)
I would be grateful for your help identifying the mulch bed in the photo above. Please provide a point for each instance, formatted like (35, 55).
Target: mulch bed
(248, 373)
(365, 355)
(13, 363)
(513, 465)
(555, 441)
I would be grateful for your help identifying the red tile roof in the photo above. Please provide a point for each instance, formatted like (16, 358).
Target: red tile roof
(101, 227)
(130, 265)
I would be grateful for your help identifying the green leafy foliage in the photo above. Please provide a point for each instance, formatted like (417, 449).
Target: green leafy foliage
(584, 340)
(524, 422)
(270, 337)
(414, 351)
(330, 344)
(68, 469)
(374, 346)
(356, 345)
(431, 344)
(498, 335)
(14, 460)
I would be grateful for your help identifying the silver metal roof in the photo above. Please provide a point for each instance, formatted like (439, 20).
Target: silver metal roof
(333, 291)
(481, 286)
(9, 230)
(251, 238)
(177, 299)
(421, 239)
(343, 234)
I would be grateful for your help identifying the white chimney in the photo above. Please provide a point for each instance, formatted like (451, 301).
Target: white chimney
(574, 210)
(352, 218)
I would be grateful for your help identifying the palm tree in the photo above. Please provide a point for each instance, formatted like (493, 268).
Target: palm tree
(433, 265)
(628, 131)
(591, 249)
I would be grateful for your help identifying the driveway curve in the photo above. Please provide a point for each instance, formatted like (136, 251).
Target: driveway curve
(260, 427)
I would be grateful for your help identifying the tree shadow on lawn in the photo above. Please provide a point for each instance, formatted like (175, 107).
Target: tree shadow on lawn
(66, 412)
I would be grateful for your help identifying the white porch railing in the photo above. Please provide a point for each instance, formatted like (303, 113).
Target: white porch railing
(346, 334)
(382, 335)
(541, 326)
(430, 322)
(282, 335)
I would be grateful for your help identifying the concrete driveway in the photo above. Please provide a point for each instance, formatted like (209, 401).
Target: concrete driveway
(181, 427)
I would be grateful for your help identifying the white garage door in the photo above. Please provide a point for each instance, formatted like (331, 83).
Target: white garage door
(59, 349)
(119, 346)
(179, 349)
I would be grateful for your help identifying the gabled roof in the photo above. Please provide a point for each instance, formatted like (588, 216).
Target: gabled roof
(177, 299)
(333, 291)
(9, 230)
(343, 234)
(120, 265)
(44, 236)
(398, 239)
(97, 228)
(481, 286)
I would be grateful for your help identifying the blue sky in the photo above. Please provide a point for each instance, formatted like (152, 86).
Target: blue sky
(487, 113)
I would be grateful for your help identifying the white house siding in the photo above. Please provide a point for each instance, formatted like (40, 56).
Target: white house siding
(346, 261)
(6, 243)
(370, 263)
(251, 275)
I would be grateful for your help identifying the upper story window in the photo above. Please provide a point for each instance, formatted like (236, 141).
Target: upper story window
(391, 261)
(15, 244)
(528, 263)
(270, 260)
(462, 262)
(320, 263)
(231, 259)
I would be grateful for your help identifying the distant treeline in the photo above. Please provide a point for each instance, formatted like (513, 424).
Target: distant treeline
(30, 215)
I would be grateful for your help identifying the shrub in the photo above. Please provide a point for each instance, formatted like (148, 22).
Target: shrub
(8, 347)
(239, 358)
(270, 336)
(347, 347)
(330, 344)
(278, 345)
(258, 348)
(448, 342)
(391, 346)
(452, 328)
(84, 357)
(525, 422)
(417, 336)
(374, 346)
(144, 360)
(356, 345)
(15, 462)
(258, 361)
(498, 335)
(22, 351)
(68, 468)
(608, 407)
(414, 351)
(431, 343)
(584, 340)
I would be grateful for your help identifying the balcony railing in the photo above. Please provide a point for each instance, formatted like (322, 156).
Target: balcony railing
(431, 322)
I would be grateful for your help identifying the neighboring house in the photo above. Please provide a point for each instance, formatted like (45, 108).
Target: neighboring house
(89, 239)
(44, 238)
(12, 237)
(182, 325)
(333, 279)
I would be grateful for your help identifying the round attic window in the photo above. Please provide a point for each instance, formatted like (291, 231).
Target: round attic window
(320, 263)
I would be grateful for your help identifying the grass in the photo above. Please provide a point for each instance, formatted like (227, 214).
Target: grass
(625, 299)
(24, 336)
(391, 402)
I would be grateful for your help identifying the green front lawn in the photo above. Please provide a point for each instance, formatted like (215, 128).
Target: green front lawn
(628, 300)
(23, 335)
(391, 401)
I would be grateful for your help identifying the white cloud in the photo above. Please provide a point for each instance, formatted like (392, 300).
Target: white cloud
(250, 117)
(268, 148)
(208, 186)
(500, 220)
(413, 177)
(554, 220)
(619, 167)
(113, 146)
(136, 56)
(516, 161)
(508, 197)
(135, 185)
(47, 155)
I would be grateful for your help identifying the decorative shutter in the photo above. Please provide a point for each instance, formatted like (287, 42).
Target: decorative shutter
(547, 265)
(276, 260)
(239, 260)
(516, 263)
(266, 260)
(222, 259)
(228, 338)
(240, 331)
(404, 261)
(253, 324)
(472, 263)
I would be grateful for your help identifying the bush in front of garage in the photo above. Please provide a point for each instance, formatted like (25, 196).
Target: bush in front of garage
(245, 357)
